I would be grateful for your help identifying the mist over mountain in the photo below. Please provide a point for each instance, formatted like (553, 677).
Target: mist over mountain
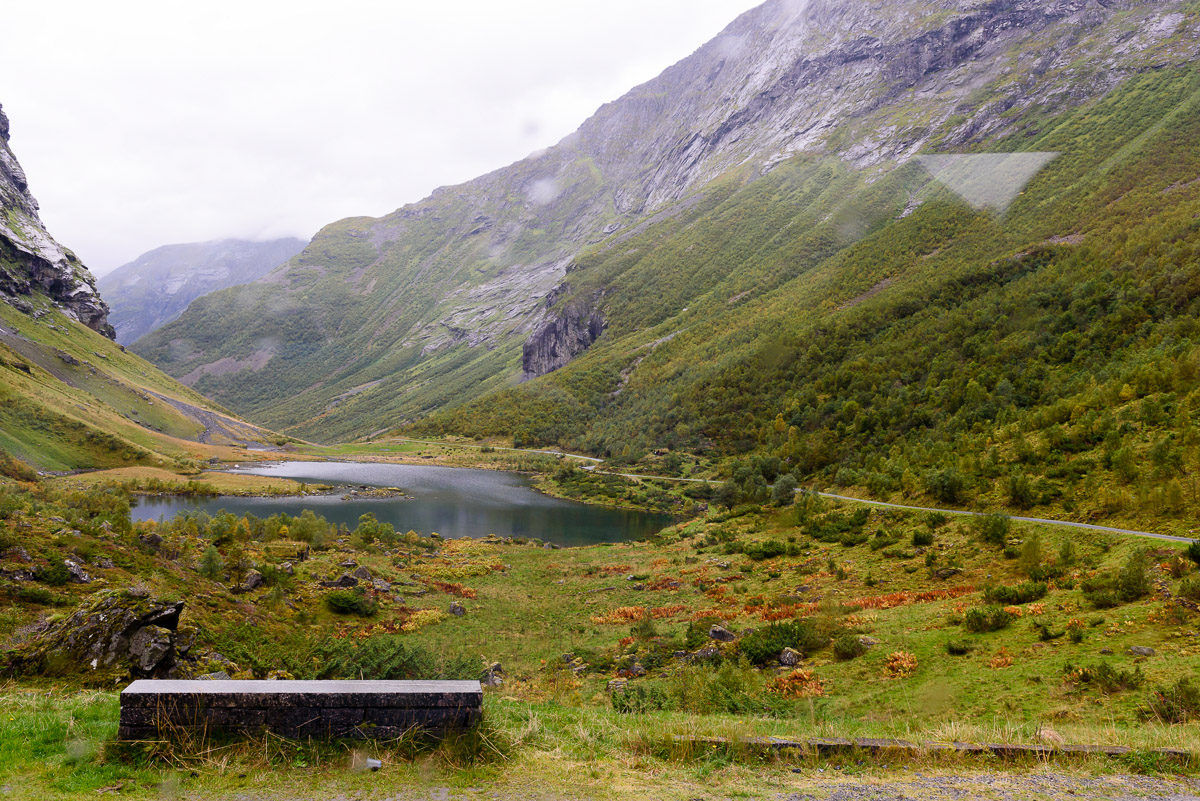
(157, 286)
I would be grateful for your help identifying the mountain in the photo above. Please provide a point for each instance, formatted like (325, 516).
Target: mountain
(381, 321)
(70, 397)
(156, 287)
(917, 248)
(31, 262)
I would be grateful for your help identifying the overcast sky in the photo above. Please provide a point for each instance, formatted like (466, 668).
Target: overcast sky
(142, 124)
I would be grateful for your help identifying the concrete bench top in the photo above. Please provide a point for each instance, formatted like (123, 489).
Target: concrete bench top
(306, 693)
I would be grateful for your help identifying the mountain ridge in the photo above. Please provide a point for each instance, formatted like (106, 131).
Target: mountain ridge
(434, 304)
(158, 285)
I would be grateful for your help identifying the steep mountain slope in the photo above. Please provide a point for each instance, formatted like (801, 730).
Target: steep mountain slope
(379, 321)
(31, 261)
(69, 396)
(156, 287)
(1045, 357)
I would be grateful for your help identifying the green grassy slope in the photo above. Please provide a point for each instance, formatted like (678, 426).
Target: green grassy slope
(71, 398)
(1044, 357)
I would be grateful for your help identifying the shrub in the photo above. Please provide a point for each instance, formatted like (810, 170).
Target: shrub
(1023, 593)
(993, 529)
(351, 602)
(922, 539)
(848, 645)
(800, 683)
(15, 468)
(986, 618)
(733, 687)
(1178, 703)
(697, 632)
(1129, 584)
(900, 664)
(1105, 677)
(640, 699)
(1189, 588)
(770, 549)
(936, 520)
(1193, 551)
(1075, 630)
(959, 647)
(40, 596)
(55, 573)
(764, 646)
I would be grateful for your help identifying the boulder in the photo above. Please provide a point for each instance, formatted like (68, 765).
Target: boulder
(287, 568)
(112, 635)
(493, 676)
(362, 574)
(253, 581)
(219, 675)
(149, 645)
(381, 585)
(790, 657)
(344, 582)
(457, 609)
(721, 634)
(1141, 650)
(868, 642)
(78, 574)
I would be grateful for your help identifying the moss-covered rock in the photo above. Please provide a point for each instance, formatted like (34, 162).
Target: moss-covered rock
(113, 635)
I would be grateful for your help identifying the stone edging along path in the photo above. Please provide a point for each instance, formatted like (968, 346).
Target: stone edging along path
(832, 746)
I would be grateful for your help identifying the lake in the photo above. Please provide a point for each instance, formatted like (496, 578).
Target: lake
(452, 501)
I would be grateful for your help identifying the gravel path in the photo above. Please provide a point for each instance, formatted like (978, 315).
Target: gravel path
(1004, 787)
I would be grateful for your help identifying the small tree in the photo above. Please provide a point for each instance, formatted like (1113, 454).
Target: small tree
(994, 528)
(211, 564)
(784, 493)
(1133, 582)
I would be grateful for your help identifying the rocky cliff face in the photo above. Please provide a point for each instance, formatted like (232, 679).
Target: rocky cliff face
(460, 280)
(156, 287)
(31, 261)
(561, 338)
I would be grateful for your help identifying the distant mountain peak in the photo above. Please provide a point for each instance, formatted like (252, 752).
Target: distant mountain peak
(157, 286)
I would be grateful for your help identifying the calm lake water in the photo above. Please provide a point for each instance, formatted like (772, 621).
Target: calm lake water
(452, 501)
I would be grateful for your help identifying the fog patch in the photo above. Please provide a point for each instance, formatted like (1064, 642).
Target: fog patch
(543, 191)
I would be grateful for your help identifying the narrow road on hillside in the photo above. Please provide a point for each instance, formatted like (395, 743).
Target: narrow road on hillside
(594, 467)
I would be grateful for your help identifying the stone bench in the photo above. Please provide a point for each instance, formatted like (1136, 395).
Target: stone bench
(151, 709)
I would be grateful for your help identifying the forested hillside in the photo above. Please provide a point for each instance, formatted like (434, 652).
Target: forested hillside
(1044, 356)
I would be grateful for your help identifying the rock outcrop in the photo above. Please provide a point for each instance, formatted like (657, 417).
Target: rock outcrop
(31, 261)
(561, 338)
(113, 635)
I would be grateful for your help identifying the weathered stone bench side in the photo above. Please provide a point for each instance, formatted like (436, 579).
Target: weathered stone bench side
(299, 709)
